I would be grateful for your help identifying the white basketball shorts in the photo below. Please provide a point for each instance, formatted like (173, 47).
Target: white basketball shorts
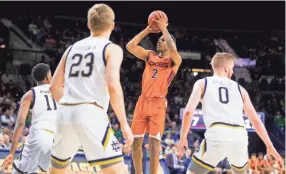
(36, 152)
(86, 125)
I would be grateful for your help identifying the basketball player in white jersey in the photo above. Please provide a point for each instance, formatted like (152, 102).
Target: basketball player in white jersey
(36, 152)
(87, 76)
(223, 101)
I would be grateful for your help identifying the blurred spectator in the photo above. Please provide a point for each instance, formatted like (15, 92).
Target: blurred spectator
(192, 137)
(261, 163)
(168, 150)
(2, 141)
(173, 161)
(33, 29)
(6, 78)
(7, 141)
(112, 118)
(269, 163)
(187, 159)
(7, 131)
(169, 140)
(7, 119)
(253, 164)
(195, 146)
(178, 100)
(279, 120)
(174, 127)
(117, 132)
(47, 24)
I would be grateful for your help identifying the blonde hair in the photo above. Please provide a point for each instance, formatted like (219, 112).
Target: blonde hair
(219, 60)
(100, 17)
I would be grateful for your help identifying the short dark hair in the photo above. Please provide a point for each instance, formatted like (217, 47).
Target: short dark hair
(253, 154)
(40, 71)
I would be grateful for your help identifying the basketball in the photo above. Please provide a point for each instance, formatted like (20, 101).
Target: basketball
(152, 23)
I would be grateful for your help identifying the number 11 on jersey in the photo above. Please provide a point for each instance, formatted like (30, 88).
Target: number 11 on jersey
(48, 103)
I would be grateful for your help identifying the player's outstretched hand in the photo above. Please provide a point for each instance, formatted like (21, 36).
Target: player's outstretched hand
(183, 143)
(7, 161)
(128, 136)
(162, 20)
(272, 151)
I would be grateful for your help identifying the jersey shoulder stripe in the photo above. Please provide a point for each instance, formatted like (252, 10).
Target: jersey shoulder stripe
(205, 88)
(34, 98)
(103, 53)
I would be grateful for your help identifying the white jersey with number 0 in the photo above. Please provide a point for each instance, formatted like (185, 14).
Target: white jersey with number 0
(222, 104)
(43, 108)
(85, 73)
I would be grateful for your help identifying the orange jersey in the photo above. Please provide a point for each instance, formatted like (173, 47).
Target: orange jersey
(269, 163)
(261, 163)
(252, 164)
(157, 76)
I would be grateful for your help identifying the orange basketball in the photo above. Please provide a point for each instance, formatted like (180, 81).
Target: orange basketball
(152, 23)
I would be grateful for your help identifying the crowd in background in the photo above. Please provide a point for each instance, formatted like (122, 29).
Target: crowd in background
(267, 93)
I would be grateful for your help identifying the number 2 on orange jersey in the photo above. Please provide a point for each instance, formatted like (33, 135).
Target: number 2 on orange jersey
(154, 76)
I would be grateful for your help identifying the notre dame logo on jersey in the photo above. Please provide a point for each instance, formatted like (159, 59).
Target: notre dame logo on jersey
(115, 146)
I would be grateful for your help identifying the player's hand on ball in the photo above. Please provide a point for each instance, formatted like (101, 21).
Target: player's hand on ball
(272, 151)
(150, 30)
(128, 136)
(183, 143)
(7, 161)
(162, 20)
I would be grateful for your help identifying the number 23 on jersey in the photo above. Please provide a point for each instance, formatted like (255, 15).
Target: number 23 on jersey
(88, 59)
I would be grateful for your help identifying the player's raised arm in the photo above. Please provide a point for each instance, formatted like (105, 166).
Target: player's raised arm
(114, 57)
(25, 103)
(188, 113)
(57, 83)
(134, 47)
(175, 56)
(258, 125)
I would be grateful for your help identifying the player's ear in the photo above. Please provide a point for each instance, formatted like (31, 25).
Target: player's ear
(112, 26)
(88, 25)
(226, 68)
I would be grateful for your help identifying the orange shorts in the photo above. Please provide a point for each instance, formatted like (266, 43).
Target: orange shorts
(149, 117)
